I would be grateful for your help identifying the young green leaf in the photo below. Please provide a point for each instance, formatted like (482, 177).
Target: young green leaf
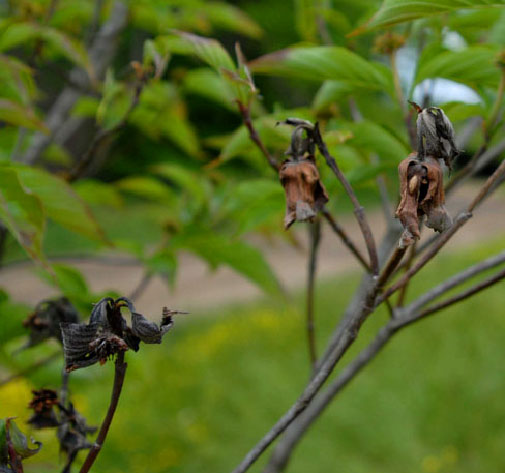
(324, 63)
(60, 202)
(393, 12)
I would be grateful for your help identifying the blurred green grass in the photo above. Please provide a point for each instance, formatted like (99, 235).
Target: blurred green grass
(431, 402)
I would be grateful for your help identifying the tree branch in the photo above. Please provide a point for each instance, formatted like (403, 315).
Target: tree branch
(358, 209)
(253, 134)
(315, 238)
(119, 375)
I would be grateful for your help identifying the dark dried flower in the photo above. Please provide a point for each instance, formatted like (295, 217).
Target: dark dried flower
(107, 333)
(43, 403)
(305, 193)
(435, 135)
(421, 193)
(45, 321)
(72, 434)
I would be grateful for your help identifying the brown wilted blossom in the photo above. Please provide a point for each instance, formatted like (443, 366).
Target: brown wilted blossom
(305, 193)
(422, 193)
(435, 135)
(43, 403)
(108, 334)
(45, 320)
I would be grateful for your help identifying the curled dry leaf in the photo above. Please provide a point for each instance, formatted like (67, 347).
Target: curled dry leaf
(421, 193)
(108, 334)
(305, 193)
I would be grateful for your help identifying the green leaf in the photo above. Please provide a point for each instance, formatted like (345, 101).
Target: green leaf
(240, 256)
(208, 50)
(366, 172)
(393, 12)
(19, 115)
(12, 315)
(98, 193)
(22, 213)
(331, 91)
(228, 17)
(20, 442)
(474, 66)
(60, 202)
(21, 33)
(376, 139)
(4, 456)
(115, 102)
(324, 63)
(147, 188)
(209, 84)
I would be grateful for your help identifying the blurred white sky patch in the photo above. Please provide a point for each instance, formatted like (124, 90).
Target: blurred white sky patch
(439, 90)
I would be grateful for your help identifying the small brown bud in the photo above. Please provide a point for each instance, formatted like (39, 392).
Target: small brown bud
(389, 42)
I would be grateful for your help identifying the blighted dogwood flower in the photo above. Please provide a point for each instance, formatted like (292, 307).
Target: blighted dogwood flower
(45, 320)
(305, 193)
(43, 403)
(107, 333)
(421, 193)
(435, 134)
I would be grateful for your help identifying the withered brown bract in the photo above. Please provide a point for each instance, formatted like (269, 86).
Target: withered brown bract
(422, 193)
(305, 193)
(107, 333)
(43, 403)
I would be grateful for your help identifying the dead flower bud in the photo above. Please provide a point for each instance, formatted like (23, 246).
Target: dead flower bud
(389, 42)
(305, 193)
(421, 193)
(435, 135)
(43, 403)
(72, 433)
(45, 321)
(107, 334)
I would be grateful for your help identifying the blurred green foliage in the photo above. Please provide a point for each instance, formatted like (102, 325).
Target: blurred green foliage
(157, 161)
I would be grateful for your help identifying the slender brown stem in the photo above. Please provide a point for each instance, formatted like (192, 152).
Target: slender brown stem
(315, 238)
(488, 185)
(253, 134)
(408, 263)
(358, 209)
(463, 295)
(346, 240)
(119, 375)
(141, 286)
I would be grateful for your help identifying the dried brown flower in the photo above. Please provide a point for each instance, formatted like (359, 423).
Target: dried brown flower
(389, 42)
(305, 193)
(422, 193)
(435, 135)
(43, 403)
(107, 333)
(45, 321)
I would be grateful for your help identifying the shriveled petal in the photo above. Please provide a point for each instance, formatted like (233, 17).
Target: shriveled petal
(148, 331)
(76, 344)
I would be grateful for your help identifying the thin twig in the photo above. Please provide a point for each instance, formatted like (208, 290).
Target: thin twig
(456, 280)
(463, 295)
(253, 134)
(358, 209)
(119, 375)
(315, 238)
(346, 240)
(408, 263)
